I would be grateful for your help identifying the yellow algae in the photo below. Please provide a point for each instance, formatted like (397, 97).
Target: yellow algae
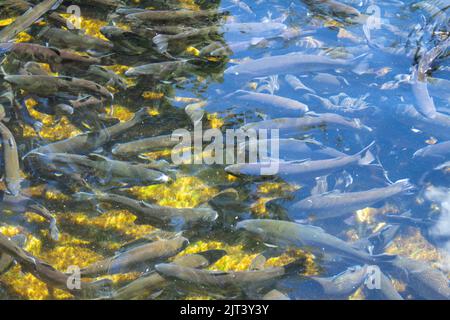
(189, 4)
(276, 188)
(150, 95)
(33, 217)
(90, 26)
(121, 277)
(186, 99)
(9, 231)
(64, 256)
(366, 215)
(197, 297)
(259, 207)
(414, 246)
(192, 50)
(56, 195)
(26, 285)
(33, 245)
(184, 192)
(357, 295)
(23, 37)
(291, 255)
(153, 112)
(214, 121)
(118, 220)
(120, 112)
(5, 22)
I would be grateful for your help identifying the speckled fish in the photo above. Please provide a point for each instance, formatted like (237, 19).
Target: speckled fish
(333, 7)
(439, 150)
(143, 254)
(107, 169)
(172, 16)
(68, 39)
(289, 234)
(144, 145)
(85, 143)
(226, 280)
(334, 204)
(48, 274)
(428, 282)
(306, 169)
(439, 125)
(148, 213)
(308, 121)
(148, 283)
(13, 176)
(27, 19)
(49, 85)
(284, 64)
(157, 70)
(21, 204)
(279, 104)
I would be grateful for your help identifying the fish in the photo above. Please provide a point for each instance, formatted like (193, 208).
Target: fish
(333, 7)
(13, 176)
(27, 19)
(6, 261)
(428, 282)
(439, 150)
(22, 204)
(226, 281)
(285, 234)
(144, 145)
(49, 85)
(275, 295)
(335, 204)
(174, 16)
(307, 169)
(152, 281)
(158, 69)
(48, 274)
(294, 149)
(336, 287)
(86, 143)
(284, 64)
(438, 126)
(109, 170)
(278, 103)
(68, 39)
(296, 84)
(386, 291)
(425, 104)
(131, 258)
(148, 213)
(308, 121)
(107, 75)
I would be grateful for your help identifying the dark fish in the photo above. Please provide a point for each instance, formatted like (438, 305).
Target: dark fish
(290, 234)
(152, 281)
(172, 16)
(427, 282)
(13, 176)
(87, 142)
(155, 214)
(6, 261)
(132, 258)
(439, 150)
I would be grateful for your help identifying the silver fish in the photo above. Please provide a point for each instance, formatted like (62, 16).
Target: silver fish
(335, 204)
(439, 150)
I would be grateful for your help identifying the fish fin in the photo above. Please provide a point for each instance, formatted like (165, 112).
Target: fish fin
(361, 63)
(321, 185)
(162, 42)
(366, 157)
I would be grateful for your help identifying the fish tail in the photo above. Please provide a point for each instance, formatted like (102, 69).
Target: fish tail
(405, 185)
(365, 156)
(361, 63)
(162, 42)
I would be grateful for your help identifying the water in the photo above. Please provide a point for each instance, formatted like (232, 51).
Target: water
(379, 86)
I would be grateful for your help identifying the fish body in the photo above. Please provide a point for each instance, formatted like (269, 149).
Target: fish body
(144, 145)
(143, 254)
(284, 64)
(335, 204)
(439, 150)
(13, 176)
(154, 214)
(289, 234)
